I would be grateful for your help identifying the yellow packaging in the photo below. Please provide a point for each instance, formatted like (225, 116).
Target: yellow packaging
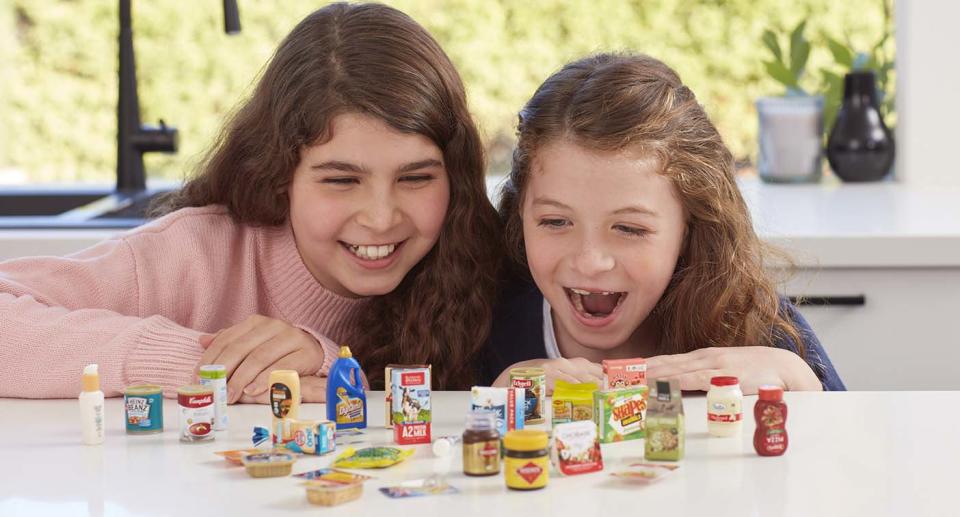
(284, 402)
(572, 402)
(526, 462)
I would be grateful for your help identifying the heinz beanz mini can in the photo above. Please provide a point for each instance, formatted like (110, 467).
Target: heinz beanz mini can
(196, 413)
(214, 376)
(143, 409)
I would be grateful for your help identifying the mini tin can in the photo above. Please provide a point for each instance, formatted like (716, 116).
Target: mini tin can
(534, 382)
(143, 409)
(215, 377)
(197, 413)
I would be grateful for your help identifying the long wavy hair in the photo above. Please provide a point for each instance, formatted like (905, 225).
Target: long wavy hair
(374, 60)
(720, 294)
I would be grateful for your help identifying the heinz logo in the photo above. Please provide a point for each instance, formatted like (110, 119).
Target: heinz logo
(522, 383)
(411, 379)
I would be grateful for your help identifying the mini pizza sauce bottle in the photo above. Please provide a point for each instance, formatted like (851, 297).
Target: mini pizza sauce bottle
(770, 438)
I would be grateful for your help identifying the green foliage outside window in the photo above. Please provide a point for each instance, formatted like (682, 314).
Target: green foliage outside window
(58, 91)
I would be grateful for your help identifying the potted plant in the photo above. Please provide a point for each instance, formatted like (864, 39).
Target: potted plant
(791, 125)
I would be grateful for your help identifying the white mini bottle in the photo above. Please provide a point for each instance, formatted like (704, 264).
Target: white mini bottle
(91, 406)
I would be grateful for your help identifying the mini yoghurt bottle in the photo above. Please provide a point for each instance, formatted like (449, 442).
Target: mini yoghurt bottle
(724, 407)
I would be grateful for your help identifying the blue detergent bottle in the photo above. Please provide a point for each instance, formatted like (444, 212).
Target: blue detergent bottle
(346, 400)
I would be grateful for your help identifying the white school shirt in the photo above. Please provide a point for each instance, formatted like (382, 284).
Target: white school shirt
(549, 336)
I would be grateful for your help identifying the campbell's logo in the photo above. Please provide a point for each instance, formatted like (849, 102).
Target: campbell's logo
(195, 401)
(412, 379)
(530, 472)
(522, 383)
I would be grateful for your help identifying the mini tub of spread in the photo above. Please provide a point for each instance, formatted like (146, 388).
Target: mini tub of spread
(269, 464)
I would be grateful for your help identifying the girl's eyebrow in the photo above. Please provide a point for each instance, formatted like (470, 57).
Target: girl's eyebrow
(632, 209)
(342, 166)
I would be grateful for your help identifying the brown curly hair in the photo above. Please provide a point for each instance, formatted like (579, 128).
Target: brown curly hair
(374, 60)
(720, 294)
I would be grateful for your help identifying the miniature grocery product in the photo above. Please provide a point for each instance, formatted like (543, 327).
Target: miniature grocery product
(284, 402)
(196, 413)
(620, 413)
(346, 399)
(269, 464)
(506, 403)
(236, 456)
(371, 457)
(419, 488)
(143, 409)
(481, 444)
(215, 376)
(572, 402)
(624, 373)
(311, 437)
(770, 411)
(443, 445)
(325, 493)
(724, 407)
(644, 472)
(411, 405)
(534, 382)
(526, 462)
(332, 475)
(665, 423)
(388, 390)
(91, 406)
(576, 448)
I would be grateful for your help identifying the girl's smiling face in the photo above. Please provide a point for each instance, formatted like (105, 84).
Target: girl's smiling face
(603, 232)
(367, 205)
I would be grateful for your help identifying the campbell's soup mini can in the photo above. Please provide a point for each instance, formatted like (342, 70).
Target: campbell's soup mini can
(197, 413)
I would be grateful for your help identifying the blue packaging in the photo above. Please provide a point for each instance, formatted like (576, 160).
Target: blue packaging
(507, 403)
(346, 400)
(143, 409)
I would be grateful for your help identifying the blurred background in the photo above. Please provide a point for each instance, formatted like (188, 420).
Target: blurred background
(58, 93)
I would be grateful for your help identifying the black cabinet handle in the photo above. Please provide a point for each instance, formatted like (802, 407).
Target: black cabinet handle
(826, 301)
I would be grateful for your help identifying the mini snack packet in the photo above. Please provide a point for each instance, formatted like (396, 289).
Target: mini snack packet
(419, 487)
(332, 475)
(620, 413)
(665, 423)
(644, 472)
(371, 457)
(572, 402)
(506, 403)
(624, 373)
(236, 456)
(576, 449)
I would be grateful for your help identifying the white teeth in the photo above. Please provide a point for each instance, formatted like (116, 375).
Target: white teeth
(580, 291)
(372, 252)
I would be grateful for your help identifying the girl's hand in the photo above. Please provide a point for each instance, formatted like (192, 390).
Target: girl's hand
(575, 370)
(258, 345)
(313, 388)
(753, 365)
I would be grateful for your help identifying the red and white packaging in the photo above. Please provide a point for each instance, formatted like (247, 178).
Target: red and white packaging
(624, 373)
(197, 413)
(576, 448)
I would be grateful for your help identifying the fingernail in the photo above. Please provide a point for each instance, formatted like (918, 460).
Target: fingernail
(230, 394)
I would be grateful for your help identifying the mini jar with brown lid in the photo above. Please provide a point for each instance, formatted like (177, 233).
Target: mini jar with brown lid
(481, 444)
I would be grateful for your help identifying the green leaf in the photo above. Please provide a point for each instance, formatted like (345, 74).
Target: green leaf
(778, 71)
(797, 40)
(770, 40)
(798, 59)
(841, 54)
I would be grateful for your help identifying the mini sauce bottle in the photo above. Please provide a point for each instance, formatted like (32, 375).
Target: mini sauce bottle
(284, 402)
(724, 407)
(481, 444)
(770, 438)
(91, 406)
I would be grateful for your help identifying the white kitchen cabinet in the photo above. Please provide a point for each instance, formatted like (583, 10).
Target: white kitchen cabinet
(904, 337)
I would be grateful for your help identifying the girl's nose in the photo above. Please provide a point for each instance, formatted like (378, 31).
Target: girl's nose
(593, 260)
(381, 214)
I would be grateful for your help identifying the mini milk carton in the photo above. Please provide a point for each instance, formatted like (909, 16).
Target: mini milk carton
(410, 389)
(506, 403)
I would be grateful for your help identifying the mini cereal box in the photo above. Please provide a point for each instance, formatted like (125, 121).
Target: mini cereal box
(620, 413)
(576, 449)
(506, 403)
(411, 405)
(624, 373)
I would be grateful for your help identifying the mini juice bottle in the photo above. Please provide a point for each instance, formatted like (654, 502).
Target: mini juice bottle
(770, 438)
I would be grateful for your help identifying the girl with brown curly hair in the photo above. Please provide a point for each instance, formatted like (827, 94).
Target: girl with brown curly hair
(344, 203)
(623, 208)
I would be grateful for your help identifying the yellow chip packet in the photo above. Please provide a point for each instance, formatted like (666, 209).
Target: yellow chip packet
(371, 457)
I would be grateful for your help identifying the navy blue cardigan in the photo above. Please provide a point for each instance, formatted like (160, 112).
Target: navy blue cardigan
(517, 335)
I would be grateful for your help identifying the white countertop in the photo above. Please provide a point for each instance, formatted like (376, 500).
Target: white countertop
(856, 453)
(827, 224)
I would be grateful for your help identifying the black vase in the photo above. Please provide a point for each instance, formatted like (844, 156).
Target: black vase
(860, 147)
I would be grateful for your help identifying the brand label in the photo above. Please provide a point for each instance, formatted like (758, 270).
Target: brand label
(715, 417)
(412, 379)
(530, 472)
(522, 383)
(281, 400)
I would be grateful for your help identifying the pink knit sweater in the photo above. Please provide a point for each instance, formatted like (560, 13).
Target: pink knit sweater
(136, 304)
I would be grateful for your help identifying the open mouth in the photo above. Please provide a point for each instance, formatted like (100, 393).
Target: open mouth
(595, 304)
(372, 251)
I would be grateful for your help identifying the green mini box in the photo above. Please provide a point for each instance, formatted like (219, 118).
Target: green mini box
(621, 414)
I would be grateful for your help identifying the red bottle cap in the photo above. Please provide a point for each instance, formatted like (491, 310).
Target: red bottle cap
(724, 381)
(770, 393)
